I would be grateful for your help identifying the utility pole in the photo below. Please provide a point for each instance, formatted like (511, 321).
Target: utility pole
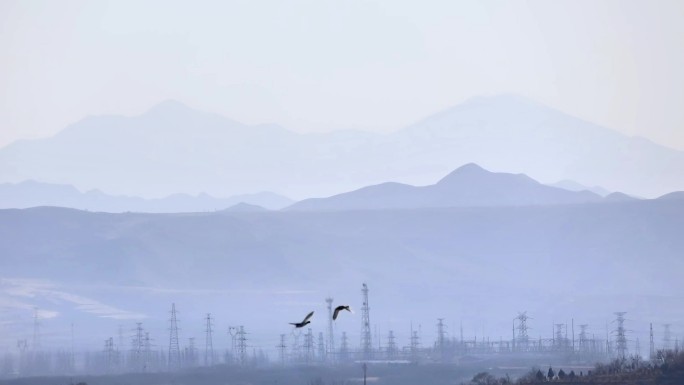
(365, 369)
(573, 335)
(72, 358)
(174, 346)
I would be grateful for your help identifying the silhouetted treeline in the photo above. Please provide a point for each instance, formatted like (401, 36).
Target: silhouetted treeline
(666, 368)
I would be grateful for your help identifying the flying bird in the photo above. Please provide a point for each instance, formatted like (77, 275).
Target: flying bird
(303, 323)
(339, 309)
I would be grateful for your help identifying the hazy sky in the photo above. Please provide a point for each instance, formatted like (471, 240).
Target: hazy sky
(323, 65)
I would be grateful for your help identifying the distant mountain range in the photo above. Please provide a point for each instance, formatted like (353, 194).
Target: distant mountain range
(574, 186)
(32, 194)
(467, 186)
(476, 263)
(173, 148)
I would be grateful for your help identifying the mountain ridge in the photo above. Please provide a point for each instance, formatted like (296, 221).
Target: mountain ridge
(467, 186)
(34, 194)
(175, 148)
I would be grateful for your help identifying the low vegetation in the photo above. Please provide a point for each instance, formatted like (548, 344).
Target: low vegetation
(667, 368)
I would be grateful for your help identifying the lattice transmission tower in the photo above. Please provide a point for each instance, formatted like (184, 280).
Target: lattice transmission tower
(208, 342)
(366, 340)
(667, 337)
(174, 346)
(331, 336)
(523, 338)
(282, 348)
(620, 334)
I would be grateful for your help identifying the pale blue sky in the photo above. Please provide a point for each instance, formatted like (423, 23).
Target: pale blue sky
(324, 65)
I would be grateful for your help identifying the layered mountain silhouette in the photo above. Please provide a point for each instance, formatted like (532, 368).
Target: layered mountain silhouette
(31, 194)
(467, 186)
(173, 148)
(578, 257)
(574, 186)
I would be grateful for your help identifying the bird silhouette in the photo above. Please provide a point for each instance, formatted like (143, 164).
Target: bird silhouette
(339, 309)
(304, 322)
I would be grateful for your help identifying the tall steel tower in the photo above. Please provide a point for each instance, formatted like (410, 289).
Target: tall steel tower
(36, 330)
(208, 343)
(174, 347)
(583, 338)
(344, 348)
(242, 345)
(415, 344)
(321, 347)
(137, 361)
(109, 355)
(620, 334)
(651, 347)
(147, 351)
(667, 337)
(331, 336)
(366, 341)
(308, 345)
(391, 346)
(559, 340)
(523, 337)
(441, 337)
(191, 355)
(281, 349)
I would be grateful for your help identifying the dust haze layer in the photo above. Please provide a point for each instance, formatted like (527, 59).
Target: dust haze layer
(174, 149)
